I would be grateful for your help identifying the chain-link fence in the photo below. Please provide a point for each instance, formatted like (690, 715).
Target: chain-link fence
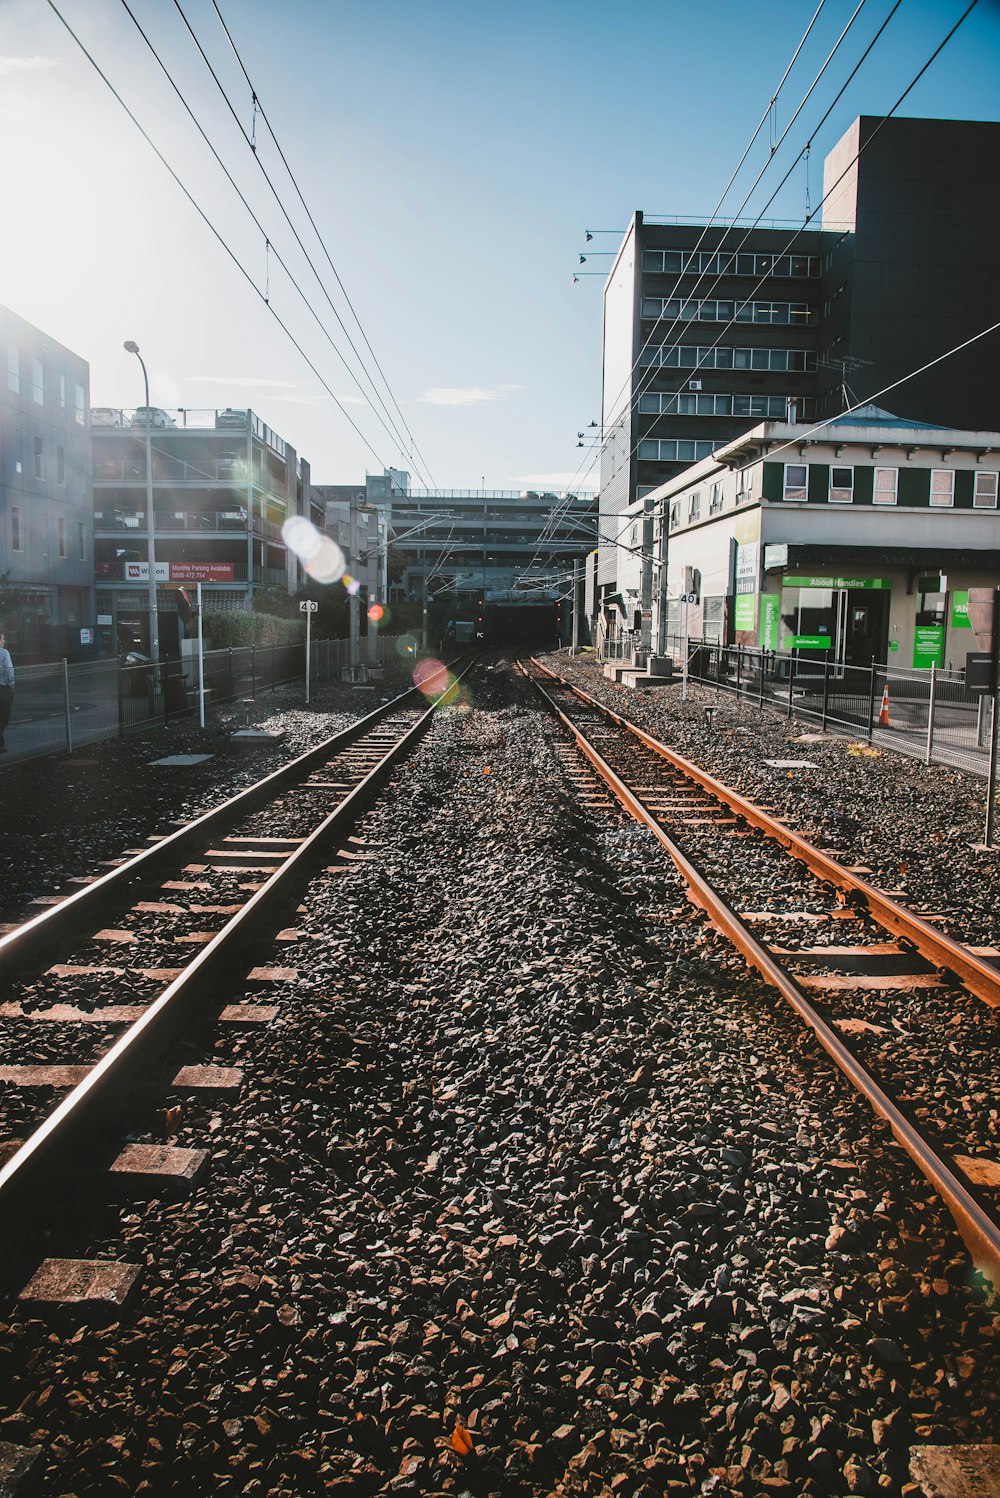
(928, 713)
(60, 707)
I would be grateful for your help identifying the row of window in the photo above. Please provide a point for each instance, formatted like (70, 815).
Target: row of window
(39, 457)
(724, 263)
(675, 450)
(694, 309)
(716, 499)
(680, 403)
(38, 384)
(693, 356)
(841, 486)
(17, 533)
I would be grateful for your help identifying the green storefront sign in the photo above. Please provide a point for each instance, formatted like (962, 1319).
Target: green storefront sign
(770, 606)
(836, 582)
(928, 645)
(806, 642)
(745, 614)
(960, 610)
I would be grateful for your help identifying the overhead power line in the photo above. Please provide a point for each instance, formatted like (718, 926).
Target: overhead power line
(270, 249)
(215, 232)
(322, 243)
(287, 217)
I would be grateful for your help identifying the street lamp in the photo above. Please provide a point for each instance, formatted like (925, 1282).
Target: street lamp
(131, 347)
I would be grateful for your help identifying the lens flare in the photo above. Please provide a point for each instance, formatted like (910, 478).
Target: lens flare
(319, 554)
(376, 613)
(430, 677)
(352, 584)
(406, 647)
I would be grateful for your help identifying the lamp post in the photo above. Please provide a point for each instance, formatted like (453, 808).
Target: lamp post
(131, 347)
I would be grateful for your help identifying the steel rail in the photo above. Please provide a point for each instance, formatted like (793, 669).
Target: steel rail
(58, 923)
(71, 1121)
(940, 950)
(978, 1231)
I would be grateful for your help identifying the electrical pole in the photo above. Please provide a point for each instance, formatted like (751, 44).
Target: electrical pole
(662, 593)
(354, 596)
(577, 565)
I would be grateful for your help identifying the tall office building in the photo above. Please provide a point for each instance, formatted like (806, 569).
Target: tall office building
(710, 330)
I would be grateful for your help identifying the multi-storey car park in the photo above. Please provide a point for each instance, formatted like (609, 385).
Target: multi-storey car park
(224, 483)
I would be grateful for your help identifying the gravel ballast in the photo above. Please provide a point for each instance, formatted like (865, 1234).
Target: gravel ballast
(529, 1189)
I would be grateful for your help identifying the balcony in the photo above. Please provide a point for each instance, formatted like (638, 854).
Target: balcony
(184, 522)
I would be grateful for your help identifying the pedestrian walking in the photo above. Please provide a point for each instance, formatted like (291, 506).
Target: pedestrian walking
(6, 687)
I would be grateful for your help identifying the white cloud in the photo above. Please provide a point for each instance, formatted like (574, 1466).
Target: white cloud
(25, 64)
(246, 381)
(467, 395)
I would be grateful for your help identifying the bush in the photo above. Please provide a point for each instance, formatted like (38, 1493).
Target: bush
(233, 627)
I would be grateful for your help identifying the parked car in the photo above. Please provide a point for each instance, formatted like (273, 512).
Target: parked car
(157, 418)
(230, 418)
(107, 416)
(227, 466)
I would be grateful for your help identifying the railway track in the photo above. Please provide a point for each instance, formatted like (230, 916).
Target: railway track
(911, 1020)
(96, 989)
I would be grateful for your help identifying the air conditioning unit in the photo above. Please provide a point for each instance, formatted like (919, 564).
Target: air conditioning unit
(694, 384)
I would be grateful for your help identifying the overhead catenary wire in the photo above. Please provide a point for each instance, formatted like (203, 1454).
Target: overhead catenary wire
(251, 143)
(584, 470)
(216, 233)
(259, 108)
(269, 248)
(910, 86)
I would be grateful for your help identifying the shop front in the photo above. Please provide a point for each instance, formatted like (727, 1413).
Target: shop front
(844, 620)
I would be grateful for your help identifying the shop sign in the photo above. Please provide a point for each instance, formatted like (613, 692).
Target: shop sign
(181, 572)
(806, 642)
(769, 611)
(960, 611)
(836, 582)
(928, 645)
(202, 572)
(747, 554)
(745, 615)
(775, 555)
(105, 619)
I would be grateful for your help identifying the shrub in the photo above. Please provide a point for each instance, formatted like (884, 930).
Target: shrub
(233, 627)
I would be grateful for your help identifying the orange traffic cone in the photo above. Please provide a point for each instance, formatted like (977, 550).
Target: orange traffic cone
(883, 712)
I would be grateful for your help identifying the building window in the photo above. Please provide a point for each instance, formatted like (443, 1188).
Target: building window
(81, 414)
(699, 356)
(37, 382)
(715, 498)
(693, 309)
(694, 506)
(774, 407)
(13, 369)
(744, 485)
(943, 487)
(81, 540)
(63, 541)
(39, 456)
(18, 450)
(795, 481)
(62, 392)
(886, 484)
(841, 486)
(985, 494)
(675, 514)
(16, 543)
(668, 450)
(716, 263)
(60, 464)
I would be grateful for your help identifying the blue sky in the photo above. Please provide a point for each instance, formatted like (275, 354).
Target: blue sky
(453, 155)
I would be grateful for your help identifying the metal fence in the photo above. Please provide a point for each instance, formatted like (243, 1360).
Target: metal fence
(927, 713)
(59, 707)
